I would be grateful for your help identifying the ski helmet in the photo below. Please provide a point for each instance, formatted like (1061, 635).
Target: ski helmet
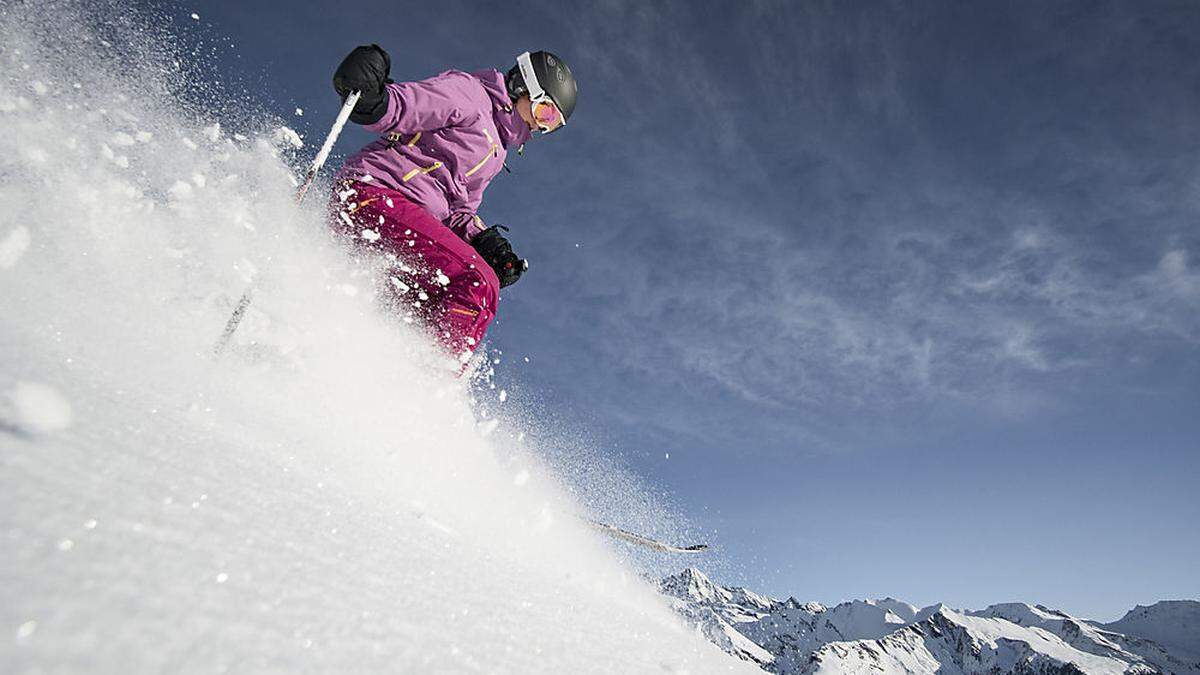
(553, 77)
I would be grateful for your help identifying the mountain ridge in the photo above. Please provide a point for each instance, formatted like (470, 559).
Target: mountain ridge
(891, 636)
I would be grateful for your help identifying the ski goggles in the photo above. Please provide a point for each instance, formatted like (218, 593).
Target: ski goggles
(547, 115)
(545, 111)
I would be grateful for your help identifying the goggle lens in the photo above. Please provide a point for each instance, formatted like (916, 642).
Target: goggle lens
(546, 114)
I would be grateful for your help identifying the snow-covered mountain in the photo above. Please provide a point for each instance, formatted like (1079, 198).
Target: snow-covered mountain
(890, 636)
(1174, 624)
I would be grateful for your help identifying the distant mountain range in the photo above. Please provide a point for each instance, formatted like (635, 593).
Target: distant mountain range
(890, 636)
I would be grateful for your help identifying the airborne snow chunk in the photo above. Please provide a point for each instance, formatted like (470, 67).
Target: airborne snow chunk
(13, 246)
(283, 136)
(35, 409)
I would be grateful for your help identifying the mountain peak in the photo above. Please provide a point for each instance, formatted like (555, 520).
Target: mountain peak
(1174, 624)
(901, 609)
(1022, 614)
(692, 584)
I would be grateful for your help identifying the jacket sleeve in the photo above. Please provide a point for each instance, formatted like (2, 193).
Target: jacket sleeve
(446, 100)
(465, 223)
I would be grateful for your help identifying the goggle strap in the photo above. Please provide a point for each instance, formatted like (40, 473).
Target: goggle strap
(531, 82)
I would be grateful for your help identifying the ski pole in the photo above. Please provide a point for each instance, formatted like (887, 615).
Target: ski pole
(330, 139)
(239, 310)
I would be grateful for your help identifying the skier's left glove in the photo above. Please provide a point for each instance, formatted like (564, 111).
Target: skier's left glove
(497, 252)
(366, 70)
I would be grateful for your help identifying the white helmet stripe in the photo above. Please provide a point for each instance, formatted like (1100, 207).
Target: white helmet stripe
(531, 82)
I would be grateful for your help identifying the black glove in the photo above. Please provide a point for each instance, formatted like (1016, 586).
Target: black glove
(365, 69)
(498, 253)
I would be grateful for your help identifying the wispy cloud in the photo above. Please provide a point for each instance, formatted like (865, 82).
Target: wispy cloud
(817, 215)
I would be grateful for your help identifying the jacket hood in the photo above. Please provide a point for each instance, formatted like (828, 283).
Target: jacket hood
(513, 130)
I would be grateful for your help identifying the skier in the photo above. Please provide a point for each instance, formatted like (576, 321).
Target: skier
(413, 195)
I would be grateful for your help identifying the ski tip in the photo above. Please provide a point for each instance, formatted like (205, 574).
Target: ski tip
(645, 541)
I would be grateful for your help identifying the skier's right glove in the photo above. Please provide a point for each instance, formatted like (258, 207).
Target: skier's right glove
(498, 253)
(365, 69)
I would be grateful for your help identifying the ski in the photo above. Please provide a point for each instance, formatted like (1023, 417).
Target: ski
(645, 541)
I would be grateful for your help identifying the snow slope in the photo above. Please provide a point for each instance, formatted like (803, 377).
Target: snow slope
(324, 497)
(890, 636)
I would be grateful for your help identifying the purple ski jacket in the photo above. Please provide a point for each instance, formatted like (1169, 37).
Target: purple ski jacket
(444, 139)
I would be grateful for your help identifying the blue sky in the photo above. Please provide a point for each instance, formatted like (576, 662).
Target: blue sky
(910, 293)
